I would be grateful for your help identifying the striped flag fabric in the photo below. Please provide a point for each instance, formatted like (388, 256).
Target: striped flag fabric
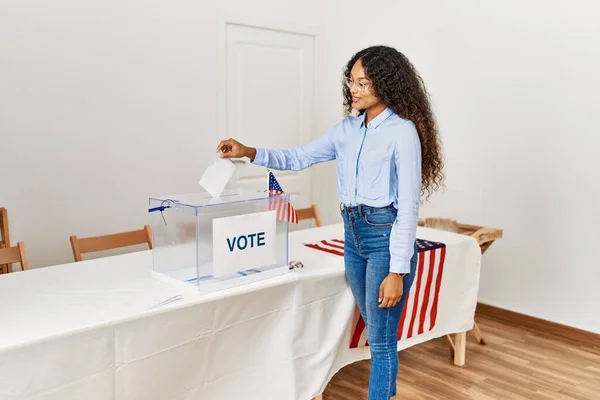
(421, 306)
(332, 246)
(284, 208)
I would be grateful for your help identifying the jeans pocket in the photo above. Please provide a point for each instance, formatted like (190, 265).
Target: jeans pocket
(380, 218)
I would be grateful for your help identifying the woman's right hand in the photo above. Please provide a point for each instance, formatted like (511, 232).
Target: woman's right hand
(231, 148)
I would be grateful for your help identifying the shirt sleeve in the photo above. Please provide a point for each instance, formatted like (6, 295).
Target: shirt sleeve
(319, 150)
(407, 155)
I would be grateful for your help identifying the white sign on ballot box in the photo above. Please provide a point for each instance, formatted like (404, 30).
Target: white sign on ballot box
(243, 242)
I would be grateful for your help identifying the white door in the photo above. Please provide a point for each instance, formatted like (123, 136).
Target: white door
(269, 95)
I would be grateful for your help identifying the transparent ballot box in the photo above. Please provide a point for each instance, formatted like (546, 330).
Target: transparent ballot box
(209, 244)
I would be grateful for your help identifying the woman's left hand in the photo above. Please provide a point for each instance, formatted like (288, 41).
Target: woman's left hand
(390, 291)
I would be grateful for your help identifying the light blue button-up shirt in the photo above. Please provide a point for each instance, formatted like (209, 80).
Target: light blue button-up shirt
(378, 164)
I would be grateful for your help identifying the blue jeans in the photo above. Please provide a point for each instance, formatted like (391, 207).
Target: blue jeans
(367, 260)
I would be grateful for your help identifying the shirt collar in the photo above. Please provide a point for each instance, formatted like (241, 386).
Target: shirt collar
(385, 114)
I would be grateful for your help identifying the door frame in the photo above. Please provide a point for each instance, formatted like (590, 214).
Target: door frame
(255, 21)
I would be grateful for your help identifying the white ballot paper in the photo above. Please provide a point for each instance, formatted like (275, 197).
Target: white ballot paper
(217, 175)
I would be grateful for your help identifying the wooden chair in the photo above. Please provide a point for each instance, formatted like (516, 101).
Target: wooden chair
(4, 237)
(112, 241)
(311, 212)
(484, 236)
(17, 254)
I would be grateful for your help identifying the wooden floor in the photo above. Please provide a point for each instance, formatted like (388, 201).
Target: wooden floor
(516, 363)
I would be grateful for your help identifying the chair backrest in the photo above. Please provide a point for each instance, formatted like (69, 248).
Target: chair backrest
(311, 212)
(10, 255)
(442, 224)
(112, 241)
(4, 236)
(484, 236)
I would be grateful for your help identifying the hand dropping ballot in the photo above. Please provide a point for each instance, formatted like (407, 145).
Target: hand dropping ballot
(217, 175)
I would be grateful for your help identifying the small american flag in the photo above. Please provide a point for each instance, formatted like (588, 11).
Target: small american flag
(282, 206)
(421, 306)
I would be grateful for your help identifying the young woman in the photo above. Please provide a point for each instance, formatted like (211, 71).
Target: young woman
(388, 155)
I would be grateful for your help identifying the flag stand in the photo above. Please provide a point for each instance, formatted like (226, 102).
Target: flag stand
(268, 170)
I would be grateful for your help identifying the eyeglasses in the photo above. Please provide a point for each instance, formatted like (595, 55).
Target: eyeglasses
(362, 86)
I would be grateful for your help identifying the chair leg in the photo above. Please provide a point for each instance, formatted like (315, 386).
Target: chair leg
(451, 345)
(319, 397)
(478, 334)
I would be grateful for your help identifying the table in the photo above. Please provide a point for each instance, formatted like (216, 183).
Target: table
(90, 330)
(484, 236)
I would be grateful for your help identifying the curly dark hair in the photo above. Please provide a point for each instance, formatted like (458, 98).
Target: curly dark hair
(398, 85)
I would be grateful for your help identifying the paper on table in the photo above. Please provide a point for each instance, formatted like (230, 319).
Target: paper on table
(217, 175)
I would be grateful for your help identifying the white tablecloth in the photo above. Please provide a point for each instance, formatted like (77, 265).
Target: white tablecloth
(88, 330)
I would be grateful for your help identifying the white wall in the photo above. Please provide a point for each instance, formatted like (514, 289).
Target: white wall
(105, 103)
(83, 86)
(520, 83)
(515, 86)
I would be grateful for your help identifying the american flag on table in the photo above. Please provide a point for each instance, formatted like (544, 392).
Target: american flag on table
(421, 306)
(281, 205)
